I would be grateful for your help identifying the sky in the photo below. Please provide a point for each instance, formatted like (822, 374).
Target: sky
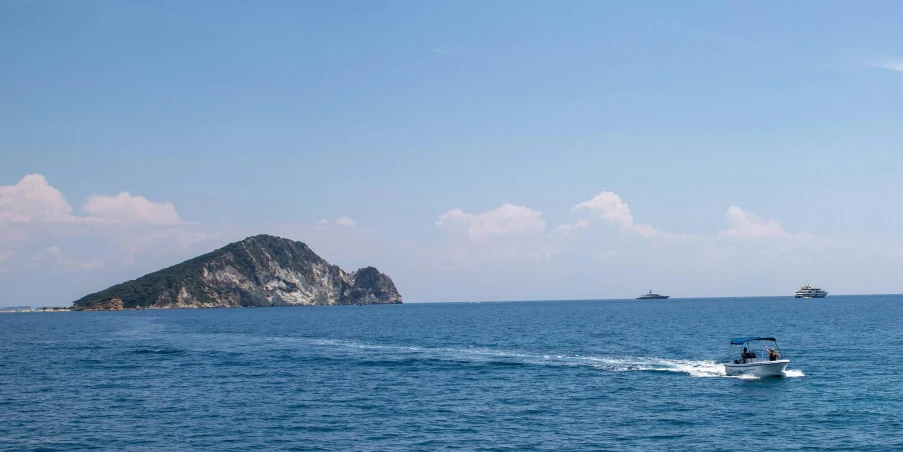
(508, 150)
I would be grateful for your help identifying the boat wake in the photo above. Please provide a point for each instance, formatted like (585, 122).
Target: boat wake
(478, 355)
(694, 368)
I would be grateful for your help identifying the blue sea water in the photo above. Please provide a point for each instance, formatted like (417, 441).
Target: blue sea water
(564, 375)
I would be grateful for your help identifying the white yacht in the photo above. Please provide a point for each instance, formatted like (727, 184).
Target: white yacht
(807, 291)
(766, 363)
(652, 296)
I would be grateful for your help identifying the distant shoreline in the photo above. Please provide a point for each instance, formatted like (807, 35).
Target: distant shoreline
(16, 309)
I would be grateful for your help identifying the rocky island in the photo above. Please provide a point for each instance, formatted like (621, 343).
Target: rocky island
(259, 271)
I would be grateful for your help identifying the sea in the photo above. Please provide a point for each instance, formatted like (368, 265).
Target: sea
(488, 376)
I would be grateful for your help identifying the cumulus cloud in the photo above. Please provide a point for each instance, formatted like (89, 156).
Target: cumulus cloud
(608, 207)
(517, 232)
(506, 220)
(345, 221)
(32, 212)
(512, 231)
(747, 224)
(509, 232)
(132, 209)
(32, 199)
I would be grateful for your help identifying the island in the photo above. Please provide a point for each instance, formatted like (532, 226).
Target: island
(262, 270)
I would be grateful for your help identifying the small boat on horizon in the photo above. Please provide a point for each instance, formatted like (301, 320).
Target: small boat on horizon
(758, 358)
(808, 291)
(652, 296)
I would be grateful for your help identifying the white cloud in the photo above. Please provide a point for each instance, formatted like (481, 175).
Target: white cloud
(345, 221)
(747, 224)
(132, 209)
(322, 224)
(34, 213)
(516, 232)
(32, 199)
(893, 64)
(509, 232)
(504, 221)
(608, 207)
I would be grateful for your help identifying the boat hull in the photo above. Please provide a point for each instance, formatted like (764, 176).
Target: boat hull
(660, 297)
(757, 369)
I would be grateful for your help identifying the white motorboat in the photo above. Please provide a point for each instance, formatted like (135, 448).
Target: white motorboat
(756, 357)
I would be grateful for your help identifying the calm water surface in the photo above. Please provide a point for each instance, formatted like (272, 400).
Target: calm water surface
(582, 375)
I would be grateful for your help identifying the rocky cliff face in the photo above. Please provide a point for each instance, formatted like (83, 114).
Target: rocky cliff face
(259, 271)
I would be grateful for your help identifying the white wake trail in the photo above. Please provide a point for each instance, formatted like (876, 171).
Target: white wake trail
(694, 368)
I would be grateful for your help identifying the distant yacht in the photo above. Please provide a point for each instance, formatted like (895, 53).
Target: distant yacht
(652, 296)
(807, 291)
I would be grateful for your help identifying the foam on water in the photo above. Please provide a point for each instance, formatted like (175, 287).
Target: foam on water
(695, 368)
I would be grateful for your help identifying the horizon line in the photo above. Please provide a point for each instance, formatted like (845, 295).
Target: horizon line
(526, 301)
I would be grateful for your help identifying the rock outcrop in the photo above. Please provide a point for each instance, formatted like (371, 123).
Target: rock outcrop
(259, 271)
(109, 304)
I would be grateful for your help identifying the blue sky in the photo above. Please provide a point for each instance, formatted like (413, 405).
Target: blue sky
(757, 145)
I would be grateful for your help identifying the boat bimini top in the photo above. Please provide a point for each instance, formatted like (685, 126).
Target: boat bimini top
(743, 340)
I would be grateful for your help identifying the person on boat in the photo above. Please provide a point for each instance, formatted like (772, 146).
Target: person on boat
(773, 354)
(746, 355)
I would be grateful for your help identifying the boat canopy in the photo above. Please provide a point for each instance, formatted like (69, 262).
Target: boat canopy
(743, 340)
